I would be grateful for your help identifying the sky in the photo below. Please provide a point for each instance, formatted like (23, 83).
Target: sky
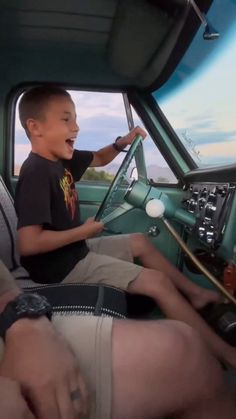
(101, 118)
(205, 107)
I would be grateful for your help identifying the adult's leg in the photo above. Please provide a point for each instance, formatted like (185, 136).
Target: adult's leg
(150, 257)
(135, 279)
(158, 286)
(162, 368)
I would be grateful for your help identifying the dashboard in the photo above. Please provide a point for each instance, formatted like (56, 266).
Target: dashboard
(210, 203)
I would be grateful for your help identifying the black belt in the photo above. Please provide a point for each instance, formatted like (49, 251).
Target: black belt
(96, 300)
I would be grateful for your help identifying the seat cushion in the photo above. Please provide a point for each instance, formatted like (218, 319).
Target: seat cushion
(8, 224)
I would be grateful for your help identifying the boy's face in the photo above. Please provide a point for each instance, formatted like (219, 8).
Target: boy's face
(56, 132)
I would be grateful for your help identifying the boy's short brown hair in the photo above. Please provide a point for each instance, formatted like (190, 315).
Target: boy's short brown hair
(34, 101)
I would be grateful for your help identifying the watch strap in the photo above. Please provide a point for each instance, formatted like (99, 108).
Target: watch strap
(13, 311)
(7, 318)
(117, 147)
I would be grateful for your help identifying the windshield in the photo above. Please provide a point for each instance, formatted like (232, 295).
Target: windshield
(199, 100)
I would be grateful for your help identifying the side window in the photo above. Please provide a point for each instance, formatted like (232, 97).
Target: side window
(158, 169)
(21, 143)
(101, 118)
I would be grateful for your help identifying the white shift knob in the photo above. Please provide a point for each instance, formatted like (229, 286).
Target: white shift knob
(155, 208)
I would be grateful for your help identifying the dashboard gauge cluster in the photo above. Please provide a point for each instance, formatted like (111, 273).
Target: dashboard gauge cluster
(210, 203)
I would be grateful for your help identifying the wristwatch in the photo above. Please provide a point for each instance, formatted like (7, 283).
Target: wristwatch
(29, 306)
(117, 147)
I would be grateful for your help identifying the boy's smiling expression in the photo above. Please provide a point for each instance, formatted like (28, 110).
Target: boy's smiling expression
(54, 134)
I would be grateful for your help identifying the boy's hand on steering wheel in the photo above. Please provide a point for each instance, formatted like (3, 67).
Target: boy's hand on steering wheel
(129, 138)
(94, 227)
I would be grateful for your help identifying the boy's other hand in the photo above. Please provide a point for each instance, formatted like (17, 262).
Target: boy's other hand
(12, 403)
(39, 359)
(93, 227)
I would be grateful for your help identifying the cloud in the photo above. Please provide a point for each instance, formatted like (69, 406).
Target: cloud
(201, 122)
(100, 130)
(20, 137)
(21, 152)
(221, 150)
(207, 137)
(101, 117)
(92, 104)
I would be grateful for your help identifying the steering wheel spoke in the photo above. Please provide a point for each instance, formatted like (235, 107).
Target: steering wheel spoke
(121, 210)
(105, 212)
(140, 163)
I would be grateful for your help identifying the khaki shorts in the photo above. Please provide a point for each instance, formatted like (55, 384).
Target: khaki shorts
(90, 339)
(109, 262)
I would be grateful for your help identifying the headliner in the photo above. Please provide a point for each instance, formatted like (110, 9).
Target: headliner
(109, 43)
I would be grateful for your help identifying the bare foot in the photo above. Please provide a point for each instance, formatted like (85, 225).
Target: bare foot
(204, 297)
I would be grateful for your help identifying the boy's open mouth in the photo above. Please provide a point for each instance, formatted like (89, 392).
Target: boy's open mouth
(70, 143)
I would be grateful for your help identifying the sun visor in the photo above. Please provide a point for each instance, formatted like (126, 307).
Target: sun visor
(143, 34)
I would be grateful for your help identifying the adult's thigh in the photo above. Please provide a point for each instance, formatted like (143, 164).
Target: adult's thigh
(158, 368)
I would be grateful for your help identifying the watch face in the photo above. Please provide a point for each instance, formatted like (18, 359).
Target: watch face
(31, 304)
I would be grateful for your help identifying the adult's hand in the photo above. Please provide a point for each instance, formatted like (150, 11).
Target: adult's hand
(38, 358)
(12, 403)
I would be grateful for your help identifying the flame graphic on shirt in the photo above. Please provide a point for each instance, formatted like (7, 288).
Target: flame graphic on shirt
(70, 194)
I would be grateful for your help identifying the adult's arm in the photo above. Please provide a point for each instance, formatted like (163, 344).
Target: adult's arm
(39, 359)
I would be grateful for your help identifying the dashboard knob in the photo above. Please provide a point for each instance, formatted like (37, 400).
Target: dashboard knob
(223, 190)
(210, 236)
(209, 211)
(212, 198)
(204, 193)
(201, 231)
(201, 202)
(153, 231)
(192, 205)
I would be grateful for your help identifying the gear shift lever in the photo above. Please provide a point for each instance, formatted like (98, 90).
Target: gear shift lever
(155, 208)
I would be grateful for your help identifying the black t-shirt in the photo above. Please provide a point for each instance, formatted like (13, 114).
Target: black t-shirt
(46, 195)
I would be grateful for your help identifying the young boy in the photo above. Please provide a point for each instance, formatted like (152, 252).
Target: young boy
(54, 244)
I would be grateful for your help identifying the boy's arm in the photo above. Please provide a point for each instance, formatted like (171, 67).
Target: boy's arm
(107, 154)
(34, 239)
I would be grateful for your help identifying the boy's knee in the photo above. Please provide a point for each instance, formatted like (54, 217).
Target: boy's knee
(139, 238)
(140, 244)
(151, 282)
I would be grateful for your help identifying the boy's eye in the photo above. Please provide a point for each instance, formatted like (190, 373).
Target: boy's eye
(65, 119)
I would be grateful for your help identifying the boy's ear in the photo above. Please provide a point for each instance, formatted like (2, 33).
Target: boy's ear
(33, 127)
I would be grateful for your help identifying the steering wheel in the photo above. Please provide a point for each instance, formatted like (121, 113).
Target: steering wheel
(104, 213)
